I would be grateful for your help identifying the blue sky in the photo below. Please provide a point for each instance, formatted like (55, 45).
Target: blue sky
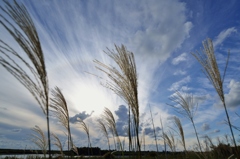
(161, 34)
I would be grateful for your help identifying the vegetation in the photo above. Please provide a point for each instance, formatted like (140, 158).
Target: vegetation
(180, 132)
(58, 143)
(39, 139)
(210, 68)
(34, 77)
(185, 105)
(123, 81)
(124, 84)
(86, 129)
(111, 124)
(104, 130)
(60, 110)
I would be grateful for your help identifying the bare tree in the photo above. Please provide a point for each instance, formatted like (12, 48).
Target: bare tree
(124, 83)
(206, 57)
(60, 110)
(17, 21)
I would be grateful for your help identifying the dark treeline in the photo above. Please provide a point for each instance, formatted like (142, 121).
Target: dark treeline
(83, 151)
(222, 150)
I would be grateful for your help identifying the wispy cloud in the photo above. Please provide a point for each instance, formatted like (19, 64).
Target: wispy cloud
(180, 58)
(223, 35)
(177, 85)
(17, 130)
(179, 72)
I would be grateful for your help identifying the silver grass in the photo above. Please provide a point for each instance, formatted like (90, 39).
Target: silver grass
(39, 139)
(124, 82)
(111, 123)
(17, 21)
(185, 105)
(103, 128)
(180, 132)
(74, 148)
(154, 131)
(164, 140)
(170, 140)
(86, 129)
(210, 141)
(206, 57)
(58, 143)
(60, 109)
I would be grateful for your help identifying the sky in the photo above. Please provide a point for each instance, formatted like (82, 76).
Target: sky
(162, 34)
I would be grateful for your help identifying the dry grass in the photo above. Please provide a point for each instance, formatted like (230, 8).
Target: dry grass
(111, 124)
(60, 110)
(206, 57)
(184, 104)
(170, 140)
(104, 130)
(164, 140)
(86, 129)
(39, 139)
(123, 82)
(180, 131)
(154, 131)
(58, 143)
(22, 29)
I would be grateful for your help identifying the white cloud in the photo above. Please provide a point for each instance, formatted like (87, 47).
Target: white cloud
(177, 85)
(233, 96)
(180, 58)
(223, 35)
(207, 115)
(179, 72)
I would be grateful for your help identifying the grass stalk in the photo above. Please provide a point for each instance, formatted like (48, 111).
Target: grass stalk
(86, 129)
(180, 132)
(39, 139)
(111, 123)
(170, 140)
(23, 31)
(58, 143)
(124, 83)
(154, 130)
(206, 57)
(164, 140)
(60, 110)
(185, 105)
(104, 130)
